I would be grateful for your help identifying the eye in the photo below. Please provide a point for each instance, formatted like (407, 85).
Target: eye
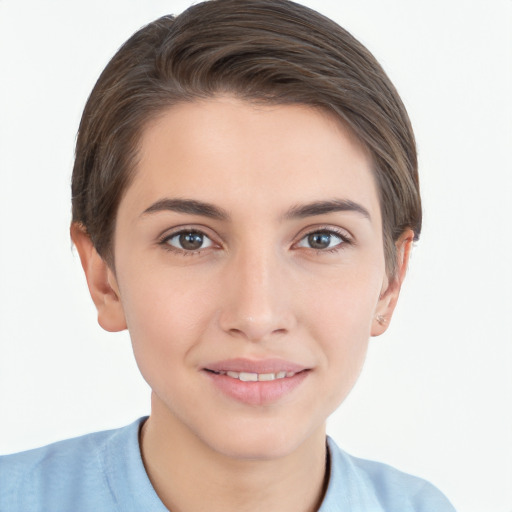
(188, 241)
(323, 239)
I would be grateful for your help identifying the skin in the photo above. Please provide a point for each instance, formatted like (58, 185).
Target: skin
(255, 290)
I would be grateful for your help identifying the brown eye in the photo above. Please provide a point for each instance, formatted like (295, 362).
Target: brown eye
(189, 241)
(321, 240)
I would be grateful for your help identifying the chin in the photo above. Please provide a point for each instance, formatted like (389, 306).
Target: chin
(259, 442)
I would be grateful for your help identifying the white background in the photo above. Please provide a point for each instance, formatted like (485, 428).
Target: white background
(435, 398)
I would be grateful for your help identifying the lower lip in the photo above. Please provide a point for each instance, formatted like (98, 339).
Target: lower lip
(257, 393)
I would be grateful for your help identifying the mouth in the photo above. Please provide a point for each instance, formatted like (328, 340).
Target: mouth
(256, 382)
(255, 377)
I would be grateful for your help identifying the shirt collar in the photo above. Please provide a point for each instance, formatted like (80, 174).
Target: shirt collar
(347, 489)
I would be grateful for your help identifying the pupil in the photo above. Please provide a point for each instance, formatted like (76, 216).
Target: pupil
(319, 240)
(191, 241)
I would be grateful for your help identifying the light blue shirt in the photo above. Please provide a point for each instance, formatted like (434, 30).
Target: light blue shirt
(104, 472)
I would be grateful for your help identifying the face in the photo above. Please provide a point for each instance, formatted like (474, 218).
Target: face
(250, 270)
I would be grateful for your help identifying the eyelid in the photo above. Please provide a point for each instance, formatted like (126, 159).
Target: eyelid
(197, 228)
(327, 228)
(345, 236)
(163, 238)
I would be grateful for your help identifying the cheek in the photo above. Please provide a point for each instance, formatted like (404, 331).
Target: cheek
(345, 302)
(165, 314)
(341, 314)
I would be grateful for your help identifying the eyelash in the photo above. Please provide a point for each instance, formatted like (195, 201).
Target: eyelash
(330, 231)
(346, 240)
(164, 241)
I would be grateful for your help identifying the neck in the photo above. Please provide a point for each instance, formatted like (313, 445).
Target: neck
(188, 475)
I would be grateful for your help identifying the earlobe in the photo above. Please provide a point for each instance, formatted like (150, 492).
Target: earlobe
(391, 289)
(101, 281)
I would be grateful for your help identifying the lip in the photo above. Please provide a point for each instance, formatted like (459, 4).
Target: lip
(259, 392)
(255, 366)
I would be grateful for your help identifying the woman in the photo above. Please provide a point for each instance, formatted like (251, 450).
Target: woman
(245, 197)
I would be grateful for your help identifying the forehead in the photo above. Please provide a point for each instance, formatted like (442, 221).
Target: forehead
(232, 152)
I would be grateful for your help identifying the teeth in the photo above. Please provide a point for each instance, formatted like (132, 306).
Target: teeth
(248, 377)
(255, 377)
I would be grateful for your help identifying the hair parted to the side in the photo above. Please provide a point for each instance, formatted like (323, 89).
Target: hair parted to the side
(271, 51)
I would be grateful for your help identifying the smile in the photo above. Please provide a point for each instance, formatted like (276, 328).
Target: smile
(256, 382)
(256, 377)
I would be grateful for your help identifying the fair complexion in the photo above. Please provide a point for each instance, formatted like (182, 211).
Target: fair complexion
(249, 270)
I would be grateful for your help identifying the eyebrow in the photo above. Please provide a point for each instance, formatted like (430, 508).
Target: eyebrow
(324, 207)
(194, 207)
(189, 206)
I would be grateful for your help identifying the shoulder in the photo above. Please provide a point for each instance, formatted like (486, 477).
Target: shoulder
(61, 474)
(382, 486)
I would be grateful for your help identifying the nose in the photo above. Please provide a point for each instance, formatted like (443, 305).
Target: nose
(257, 295)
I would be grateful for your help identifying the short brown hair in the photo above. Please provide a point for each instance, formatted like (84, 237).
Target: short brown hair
(272, 51)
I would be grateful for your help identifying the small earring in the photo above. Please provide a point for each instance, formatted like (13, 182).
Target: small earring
(381, 320)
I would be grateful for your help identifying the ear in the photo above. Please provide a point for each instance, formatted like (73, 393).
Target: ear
(101, 281)
(391, 287)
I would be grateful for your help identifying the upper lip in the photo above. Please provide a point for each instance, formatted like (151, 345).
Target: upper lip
(255, 366)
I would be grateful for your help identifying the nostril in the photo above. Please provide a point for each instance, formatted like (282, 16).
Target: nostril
(256, 333)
